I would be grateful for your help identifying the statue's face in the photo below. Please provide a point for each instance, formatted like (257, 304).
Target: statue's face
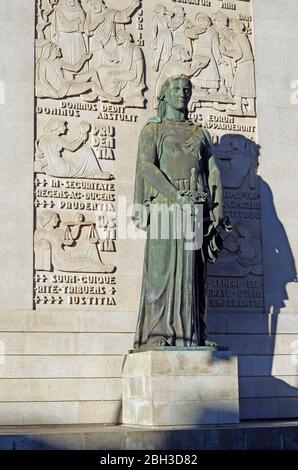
(71, 3)
(53, 223)
(219, 22)
(179, 11)
(96, 6)
(62, 129)
(178, 94)
(56, 51)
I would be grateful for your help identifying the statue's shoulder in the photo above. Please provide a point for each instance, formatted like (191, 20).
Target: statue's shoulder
(152, 123)
(204, 132)
(154, 119)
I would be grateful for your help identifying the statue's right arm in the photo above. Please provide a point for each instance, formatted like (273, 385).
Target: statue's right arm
(199, 63)
(148, 168)
(78, 66)
(72, 146)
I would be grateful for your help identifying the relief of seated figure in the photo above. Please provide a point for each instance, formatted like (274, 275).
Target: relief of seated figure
(61, 248)
(125, 77)
(59, 157)
(51, 80)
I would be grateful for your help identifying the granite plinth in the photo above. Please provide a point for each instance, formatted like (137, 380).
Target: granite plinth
(178, 388)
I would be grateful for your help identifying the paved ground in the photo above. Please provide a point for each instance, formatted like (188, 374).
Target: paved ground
(262, 435)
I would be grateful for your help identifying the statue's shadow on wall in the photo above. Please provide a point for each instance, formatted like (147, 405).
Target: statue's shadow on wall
(238, 159)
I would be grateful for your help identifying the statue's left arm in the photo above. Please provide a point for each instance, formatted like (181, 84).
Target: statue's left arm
(74, 145)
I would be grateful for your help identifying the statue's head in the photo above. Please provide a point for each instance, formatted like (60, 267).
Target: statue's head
(160, 10)
(50, 50)
(174, 93)
(220, 20)
(72, 3)
(95, 6)
(237, 26)
(124, 36)
(48, 220)
(179, 11)
(203, 21)
(56, 126)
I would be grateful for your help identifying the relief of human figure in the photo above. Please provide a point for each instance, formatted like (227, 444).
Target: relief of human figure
(51, 81)
(242, 253)
(126, 77)
(56, 249)
(179, 24)
(162, 37)
(44, 9)
(225, 34)
(180, 64)
(244, 85)
(101, 28)
(59, 157)
(237, 159)
(67, 30)
(205, 44)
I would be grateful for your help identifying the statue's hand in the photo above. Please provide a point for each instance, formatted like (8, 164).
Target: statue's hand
(198, 197)
(216, 217)
(136, 3)
(88, 56)
(193, 197)
(84, 137)
(186, 200)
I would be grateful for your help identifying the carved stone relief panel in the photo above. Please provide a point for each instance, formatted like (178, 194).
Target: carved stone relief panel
(236, 279)
(84, 50)
(99, 66)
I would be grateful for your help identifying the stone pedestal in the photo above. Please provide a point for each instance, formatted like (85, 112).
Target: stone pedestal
(177, 388)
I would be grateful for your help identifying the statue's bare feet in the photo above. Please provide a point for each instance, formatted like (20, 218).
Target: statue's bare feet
(90, 97)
